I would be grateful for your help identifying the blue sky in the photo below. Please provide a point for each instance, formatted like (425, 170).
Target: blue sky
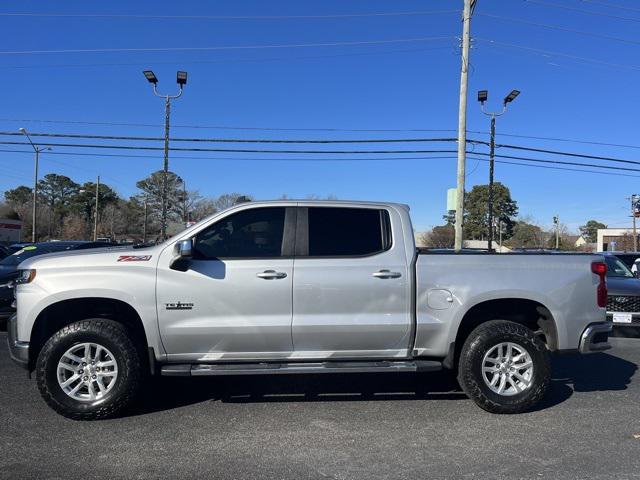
(405, 85)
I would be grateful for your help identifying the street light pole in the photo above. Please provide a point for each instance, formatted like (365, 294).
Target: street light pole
(37, 151)
(556, 221)
(483, 95)
(181, 79)
(634, 203)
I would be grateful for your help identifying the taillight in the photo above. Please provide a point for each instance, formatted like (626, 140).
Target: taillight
(600, 269)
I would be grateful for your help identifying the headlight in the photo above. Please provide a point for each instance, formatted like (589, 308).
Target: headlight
(25, 276)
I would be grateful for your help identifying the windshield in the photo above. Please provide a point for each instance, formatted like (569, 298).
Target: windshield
(615, 268)
(27, 252)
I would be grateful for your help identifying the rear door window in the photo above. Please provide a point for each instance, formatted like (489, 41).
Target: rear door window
(338, 232)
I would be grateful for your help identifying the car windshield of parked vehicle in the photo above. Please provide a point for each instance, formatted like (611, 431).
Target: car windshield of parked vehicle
(615, 268)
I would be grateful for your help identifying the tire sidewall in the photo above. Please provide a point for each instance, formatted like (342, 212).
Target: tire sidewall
(53, 352)
(487, 339)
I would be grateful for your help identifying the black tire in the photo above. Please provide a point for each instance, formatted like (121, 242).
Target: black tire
(107, 333)
(482, 340)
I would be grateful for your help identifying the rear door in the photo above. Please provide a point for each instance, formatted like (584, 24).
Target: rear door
(352, 284)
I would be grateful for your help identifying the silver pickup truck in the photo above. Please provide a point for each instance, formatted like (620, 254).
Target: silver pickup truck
(301, 287)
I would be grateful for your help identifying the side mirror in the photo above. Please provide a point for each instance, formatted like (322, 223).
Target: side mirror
(184, 248)
(184, 251)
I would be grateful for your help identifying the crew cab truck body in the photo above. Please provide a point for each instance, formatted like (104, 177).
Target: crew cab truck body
(301, 287)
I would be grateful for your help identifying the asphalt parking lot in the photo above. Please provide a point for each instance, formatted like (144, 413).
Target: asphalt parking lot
(347, 426)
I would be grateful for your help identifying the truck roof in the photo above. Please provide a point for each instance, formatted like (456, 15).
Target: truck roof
(293, 201)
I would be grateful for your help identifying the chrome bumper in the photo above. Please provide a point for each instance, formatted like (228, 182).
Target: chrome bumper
(595, 338)
(18, 351)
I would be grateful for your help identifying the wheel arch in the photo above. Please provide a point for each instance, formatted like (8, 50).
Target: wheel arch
(525, 311)
(64, 312)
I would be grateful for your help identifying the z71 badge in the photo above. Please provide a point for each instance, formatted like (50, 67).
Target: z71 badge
(178, 306)
(134, 258)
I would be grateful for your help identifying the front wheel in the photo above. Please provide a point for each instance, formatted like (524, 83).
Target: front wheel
(504, 367)
(89, 370)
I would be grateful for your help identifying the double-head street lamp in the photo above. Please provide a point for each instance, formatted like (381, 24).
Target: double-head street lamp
(37, 150)
(483, 95)
(181, 80)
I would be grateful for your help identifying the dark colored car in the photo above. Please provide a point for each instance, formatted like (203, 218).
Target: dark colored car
(4, 252)
(628, 258)
(9, 265)
(623, 300)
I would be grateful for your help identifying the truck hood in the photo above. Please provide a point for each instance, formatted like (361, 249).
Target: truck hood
(93, 257)
(623, 286)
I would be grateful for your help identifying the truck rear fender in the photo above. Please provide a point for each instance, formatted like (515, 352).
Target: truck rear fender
(530, 313)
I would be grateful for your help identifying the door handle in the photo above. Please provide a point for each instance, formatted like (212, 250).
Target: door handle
(271, 275)
(386, 274)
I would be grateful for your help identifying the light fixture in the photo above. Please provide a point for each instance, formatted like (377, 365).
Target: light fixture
(150, 76)
(483, 95)
(512, 96)
(181, 78)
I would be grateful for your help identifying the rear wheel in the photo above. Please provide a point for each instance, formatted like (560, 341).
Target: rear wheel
(504, 367)
(89, 369)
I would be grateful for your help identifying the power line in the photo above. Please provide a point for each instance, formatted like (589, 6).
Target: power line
(224, 127)
(580, 10)
(229, 17)
(235, 150)
(322, 152)
(226, 60)
(324, 160)
(228, 47)
(568, 140)
(529, 159)
(568, 154)
(558, 54)
(558, 162)
(559, 28)
(561, 168)
(612, 5)
(243, 159)
(232, 140)
(321, 129)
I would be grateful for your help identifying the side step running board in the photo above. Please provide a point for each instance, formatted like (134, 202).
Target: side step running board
(300, 367)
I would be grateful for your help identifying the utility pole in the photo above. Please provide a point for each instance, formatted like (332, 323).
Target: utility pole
(181, 79)
(634, 203)
(95, 220)
(37, 151)
(462, 121)
(556, 221)
(483, 95)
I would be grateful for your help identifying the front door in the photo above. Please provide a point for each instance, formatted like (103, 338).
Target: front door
(233, 299)
(351, 285)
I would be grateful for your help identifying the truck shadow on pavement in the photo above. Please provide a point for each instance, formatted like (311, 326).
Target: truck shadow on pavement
(571, 373)
(598, 372)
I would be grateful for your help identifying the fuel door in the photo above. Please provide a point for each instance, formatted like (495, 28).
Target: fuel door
(439, 299)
